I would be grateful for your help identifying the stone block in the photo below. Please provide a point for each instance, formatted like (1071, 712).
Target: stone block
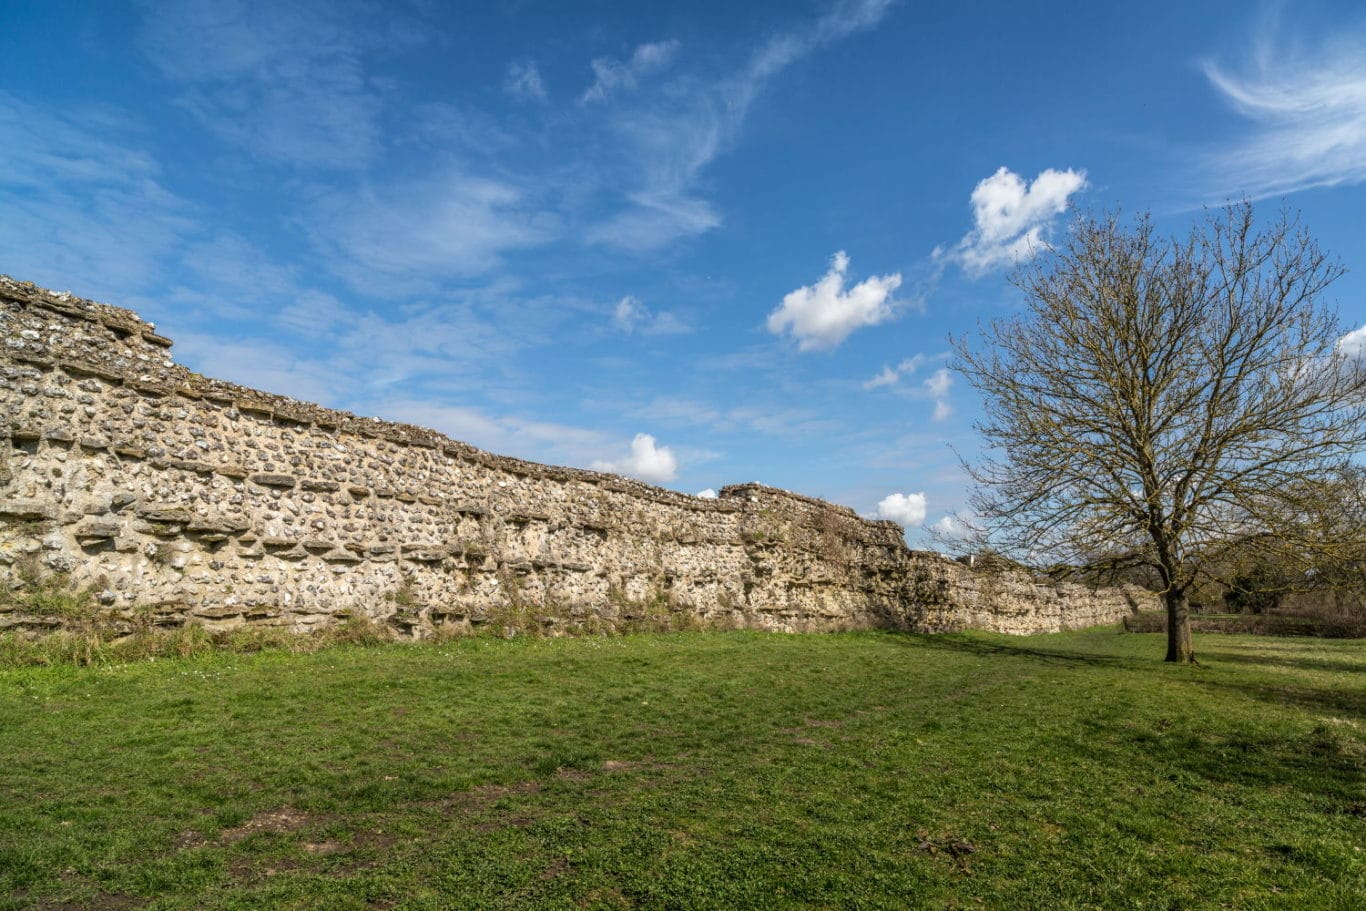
(27, 510)
(97, 530)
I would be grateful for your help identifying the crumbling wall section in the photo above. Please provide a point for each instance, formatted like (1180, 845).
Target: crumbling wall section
(202, 501)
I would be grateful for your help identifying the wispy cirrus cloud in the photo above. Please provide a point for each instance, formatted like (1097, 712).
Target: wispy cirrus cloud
(85, 204)
(408, 235)
(674, 134)
(510, 434)
(523, 80)
(303, 85)
(1307, 111)
(286, 82)
(611, 76)
(630, 315)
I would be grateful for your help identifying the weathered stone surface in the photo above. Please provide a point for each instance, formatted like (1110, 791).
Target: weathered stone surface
(26, 510)
(172, 515)
(226, 525)
(97, 530)
(334, 514)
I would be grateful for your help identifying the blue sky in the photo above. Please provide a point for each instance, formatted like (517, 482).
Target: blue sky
(699, 243)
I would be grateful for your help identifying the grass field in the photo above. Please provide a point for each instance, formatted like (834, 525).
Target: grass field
(710, 770)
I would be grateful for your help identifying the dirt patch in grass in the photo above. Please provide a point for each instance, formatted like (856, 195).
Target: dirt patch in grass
(486, 795)
(565, 774)
(255, 869)
(557, 869)
(823, 723)
(322, 848)
(282, 821)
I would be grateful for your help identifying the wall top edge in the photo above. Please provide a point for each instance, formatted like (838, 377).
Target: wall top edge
(175, 380)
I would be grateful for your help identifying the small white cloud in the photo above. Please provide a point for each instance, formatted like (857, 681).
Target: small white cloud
(951, 528)
(707, 494)
(885, 377)
(1011, 218)
(906, 508)
(523, 80)
(934, 387)
(890, 376)
(627, 313)
(610, 75)
(630, 315)
(937, 385)
(646, 461)
(824, 314)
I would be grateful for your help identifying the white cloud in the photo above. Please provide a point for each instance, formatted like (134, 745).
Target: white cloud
(707, 494)
(1353, 345)
(646, 461)
(906, 508)
(1011, 218)
(523, 80)
(1308, 112)
(942, 410)
(610, 75)
(822, 315)
(630, 315)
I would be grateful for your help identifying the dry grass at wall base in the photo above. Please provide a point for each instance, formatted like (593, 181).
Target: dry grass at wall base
(68, 626)
(738, 770)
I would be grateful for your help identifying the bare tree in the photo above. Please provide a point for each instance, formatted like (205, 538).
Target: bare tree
(1160, 395)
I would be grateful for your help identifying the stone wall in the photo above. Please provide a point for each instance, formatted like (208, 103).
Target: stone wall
(192, 499)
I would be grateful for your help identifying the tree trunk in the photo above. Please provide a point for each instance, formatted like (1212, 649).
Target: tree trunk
(1179, 628)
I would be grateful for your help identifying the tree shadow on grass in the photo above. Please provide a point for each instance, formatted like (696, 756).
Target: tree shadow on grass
(972, 645)
(1290, 661)
(1328, 700)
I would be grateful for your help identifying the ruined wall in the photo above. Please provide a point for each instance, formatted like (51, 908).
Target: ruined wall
(199, 500)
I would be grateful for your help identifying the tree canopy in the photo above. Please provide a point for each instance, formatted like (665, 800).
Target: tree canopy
(1159, 395)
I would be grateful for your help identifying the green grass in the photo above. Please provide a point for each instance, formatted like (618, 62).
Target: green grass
(711, 770)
